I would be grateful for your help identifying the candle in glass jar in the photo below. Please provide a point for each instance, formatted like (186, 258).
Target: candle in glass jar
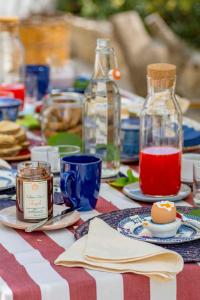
(34, 191)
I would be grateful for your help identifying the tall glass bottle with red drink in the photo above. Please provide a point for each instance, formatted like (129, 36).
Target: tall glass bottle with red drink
(160, 134)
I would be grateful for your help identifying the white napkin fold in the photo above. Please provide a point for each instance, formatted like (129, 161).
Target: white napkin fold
(105, 249)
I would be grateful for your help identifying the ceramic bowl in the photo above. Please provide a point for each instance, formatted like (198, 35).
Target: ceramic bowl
(9, 108)
(162, 230)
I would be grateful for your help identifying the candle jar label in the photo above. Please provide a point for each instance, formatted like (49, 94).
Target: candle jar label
(35, 199)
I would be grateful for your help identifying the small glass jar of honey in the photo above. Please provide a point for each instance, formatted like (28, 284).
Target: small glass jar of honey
(34, 191)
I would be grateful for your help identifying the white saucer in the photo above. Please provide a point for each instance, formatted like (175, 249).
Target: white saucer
(186, 180)
(8, 218)
(133, 191)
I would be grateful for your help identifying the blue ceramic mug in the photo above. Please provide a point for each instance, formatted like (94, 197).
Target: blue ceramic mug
(80, 180)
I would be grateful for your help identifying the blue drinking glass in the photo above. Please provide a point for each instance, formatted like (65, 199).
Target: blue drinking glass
(42, 75)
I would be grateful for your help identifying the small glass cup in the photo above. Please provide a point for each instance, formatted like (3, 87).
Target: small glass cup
(56, 156)
(60, 152)
(53, 154)
(31, 89)
(196, 183)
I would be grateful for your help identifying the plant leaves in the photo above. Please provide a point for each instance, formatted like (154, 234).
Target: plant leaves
(64, 138)
(195, 212)
(131, 177)
(120, 182)
(29, 121)
(123, 181)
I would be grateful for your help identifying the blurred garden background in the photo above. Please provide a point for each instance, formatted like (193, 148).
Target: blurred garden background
(183, 16)
(63, 33)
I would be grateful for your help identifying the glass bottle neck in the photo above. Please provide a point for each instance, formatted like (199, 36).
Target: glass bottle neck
(161, 86)
(104, 62)
(11, 30)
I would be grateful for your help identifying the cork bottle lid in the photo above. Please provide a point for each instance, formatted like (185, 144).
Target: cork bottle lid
(161, 71)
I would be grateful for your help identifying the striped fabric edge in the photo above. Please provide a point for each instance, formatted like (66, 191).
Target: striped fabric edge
(34, 271)
(78, 280)
(5, 291)
(155, 291)
(179, 292)
(122, 284)
(107, 203)
(103, 280)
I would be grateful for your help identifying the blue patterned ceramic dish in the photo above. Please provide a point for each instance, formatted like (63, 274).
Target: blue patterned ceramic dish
(9, 108)
(7, 180)
(185, 233)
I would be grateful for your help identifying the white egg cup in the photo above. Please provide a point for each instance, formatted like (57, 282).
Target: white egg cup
(162, 230)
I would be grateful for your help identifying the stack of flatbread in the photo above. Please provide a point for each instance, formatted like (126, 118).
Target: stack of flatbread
(12, 139)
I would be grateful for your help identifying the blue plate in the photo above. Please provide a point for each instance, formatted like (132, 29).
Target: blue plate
(7, 179)
(185, 233)
(191, 136)
(130, 139)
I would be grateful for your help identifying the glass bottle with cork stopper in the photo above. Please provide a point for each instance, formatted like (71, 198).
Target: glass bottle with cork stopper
(34, 191)
(160, 134)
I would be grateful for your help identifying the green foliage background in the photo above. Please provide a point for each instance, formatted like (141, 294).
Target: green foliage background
(183, 16)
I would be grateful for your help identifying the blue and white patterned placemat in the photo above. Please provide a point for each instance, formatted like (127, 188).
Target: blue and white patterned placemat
(190, 251)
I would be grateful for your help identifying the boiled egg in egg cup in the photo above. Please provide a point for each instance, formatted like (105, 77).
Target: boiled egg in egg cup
(163, 222)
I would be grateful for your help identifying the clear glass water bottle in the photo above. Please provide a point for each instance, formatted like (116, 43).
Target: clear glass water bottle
(12, 57)
(101, 133)
(11, 51)
(160, 134)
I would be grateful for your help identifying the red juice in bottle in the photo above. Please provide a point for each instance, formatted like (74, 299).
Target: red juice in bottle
(160, 171)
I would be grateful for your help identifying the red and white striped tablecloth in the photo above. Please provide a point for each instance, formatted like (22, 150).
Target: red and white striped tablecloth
(27, 270)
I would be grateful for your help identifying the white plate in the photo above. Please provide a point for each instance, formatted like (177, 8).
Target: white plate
(8, 218)
(7, 179)
(133, 191)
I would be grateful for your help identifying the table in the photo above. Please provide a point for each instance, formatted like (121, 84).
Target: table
(27, 269)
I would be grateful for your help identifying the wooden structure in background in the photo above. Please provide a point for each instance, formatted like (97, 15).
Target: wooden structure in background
(46, 39)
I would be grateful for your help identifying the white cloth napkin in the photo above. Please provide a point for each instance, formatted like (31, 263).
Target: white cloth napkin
(105, 249)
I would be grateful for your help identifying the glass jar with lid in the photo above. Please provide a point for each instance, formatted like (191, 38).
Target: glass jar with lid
(160, 134)
(34, 191)
(61, 118)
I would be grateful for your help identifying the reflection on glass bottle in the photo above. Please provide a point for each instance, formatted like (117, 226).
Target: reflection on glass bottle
(160, 134)
(101, 134)
(11, 51)
(12, 58)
